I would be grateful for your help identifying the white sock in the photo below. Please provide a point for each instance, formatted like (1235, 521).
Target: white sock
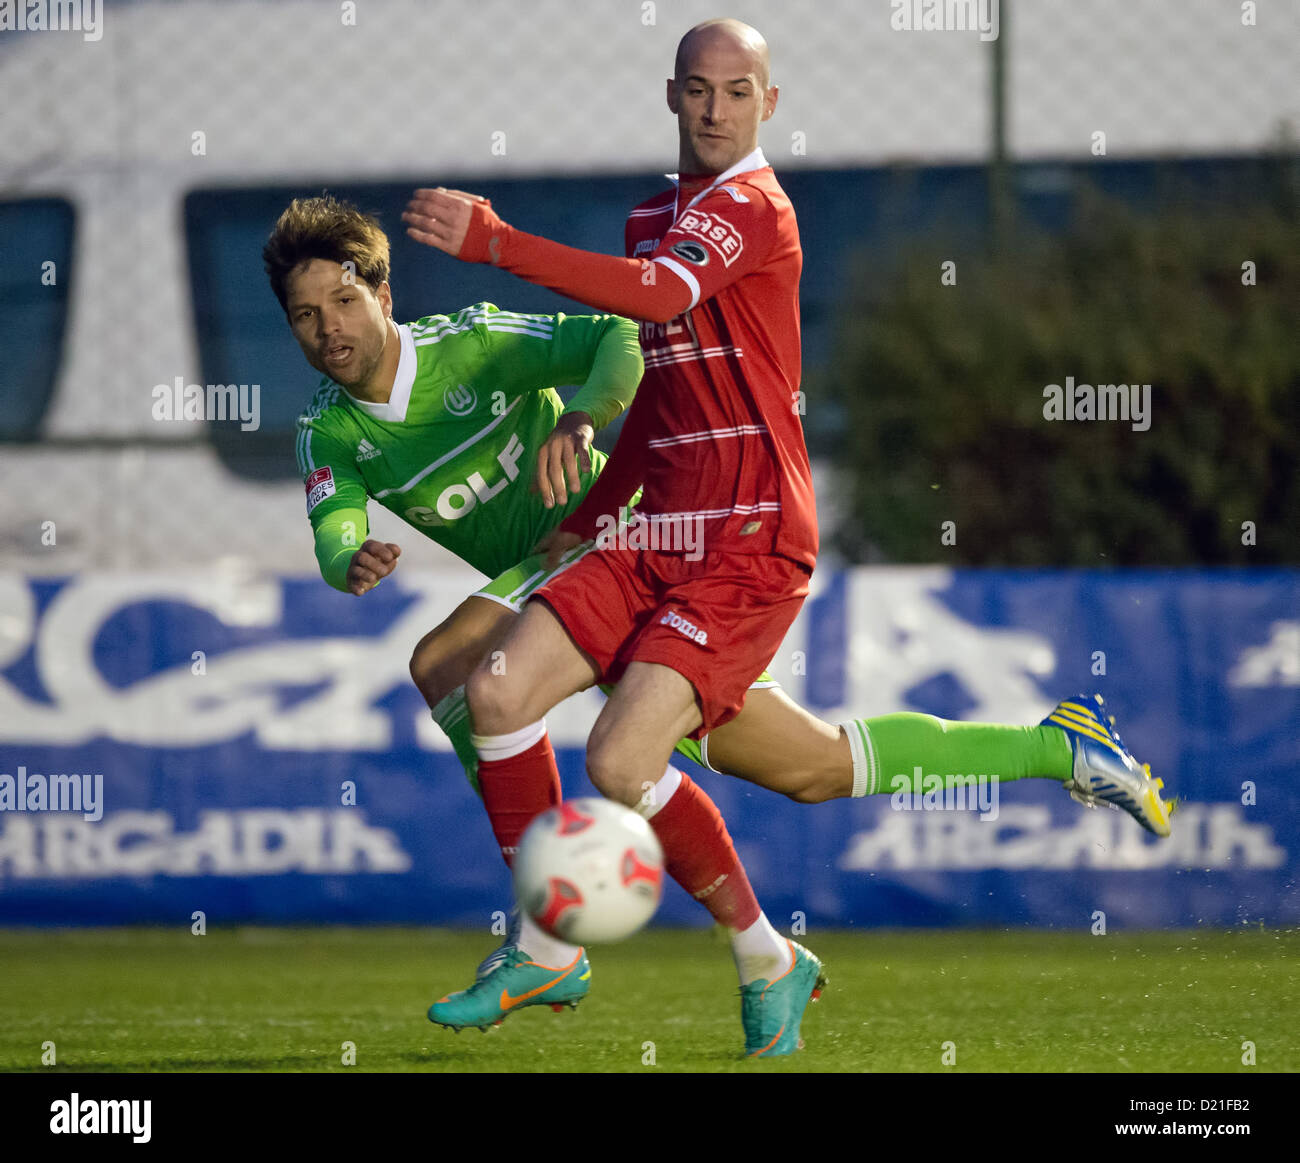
(659, 794)
(509, 745)
(866, 767)
(760, 952)
(541, 946)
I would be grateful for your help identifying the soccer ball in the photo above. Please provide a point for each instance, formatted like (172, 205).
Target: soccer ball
(589, 870)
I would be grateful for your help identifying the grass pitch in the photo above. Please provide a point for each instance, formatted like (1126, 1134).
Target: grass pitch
(279, 999)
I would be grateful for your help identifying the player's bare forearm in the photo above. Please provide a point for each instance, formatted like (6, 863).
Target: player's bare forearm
(371, 563)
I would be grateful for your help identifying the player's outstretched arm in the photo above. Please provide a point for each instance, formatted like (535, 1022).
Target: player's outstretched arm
(466, 227)
(372, 562)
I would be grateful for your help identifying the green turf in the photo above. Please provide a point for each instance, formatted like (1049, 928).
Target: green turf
(287, 999)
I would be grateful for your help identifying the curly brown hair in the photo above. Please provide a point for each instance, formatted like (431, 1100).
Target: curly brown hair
(327, 228)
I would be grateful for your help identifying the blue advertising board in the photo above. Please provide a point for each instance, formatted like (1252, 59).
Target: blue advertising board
(254, 748)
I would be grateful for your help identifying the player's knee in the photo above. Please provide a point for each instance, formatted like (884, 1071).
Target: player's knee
(493, 707)
(612, 775)
(424, 668)
(433, 667)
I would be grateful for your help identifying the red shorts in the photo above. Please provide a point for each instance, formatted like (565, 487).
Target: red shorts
(717, 622)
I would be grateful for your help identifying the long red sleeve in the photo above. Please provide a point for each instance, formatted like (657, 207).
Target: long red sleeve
(626, 286)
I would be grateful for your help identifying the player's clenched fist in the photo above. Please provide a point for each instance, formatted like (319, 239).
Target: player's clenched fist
(375, 559)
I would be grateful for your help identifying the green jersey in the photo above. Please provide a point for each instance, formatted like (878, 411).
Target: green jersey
(453, 450)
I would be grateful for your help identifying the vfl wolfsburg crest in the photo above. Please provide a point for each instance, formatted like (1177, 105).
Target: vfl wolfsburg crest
(460, 400)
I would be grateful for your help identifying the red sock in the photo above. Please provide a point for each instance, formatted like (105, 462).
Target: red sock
(517, 789)
(699, 855)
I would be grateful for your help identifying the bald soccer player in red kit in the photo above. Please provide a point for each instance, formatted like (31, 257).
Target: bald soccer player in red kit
(687, 605)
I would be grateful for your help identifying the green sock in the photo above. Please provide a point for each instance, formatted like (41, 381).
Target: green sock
(896, 752)
(452, 715)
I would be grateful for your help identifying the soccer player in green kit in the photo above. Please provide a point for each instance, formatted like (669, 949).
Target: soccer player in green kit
(453, 424)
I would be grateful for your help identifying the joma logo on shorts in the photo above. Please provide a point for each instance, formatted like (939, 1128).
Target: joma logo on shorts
(682, 626)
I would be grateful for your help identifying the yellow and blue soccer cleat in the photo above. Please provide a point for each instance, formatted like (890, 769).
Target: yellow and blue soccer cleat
(772, 1011)
(1104, 769)
(512, 983)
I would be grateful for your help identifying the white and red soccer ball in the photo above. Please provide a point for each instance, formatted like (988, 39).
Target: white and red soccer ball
(589, 871)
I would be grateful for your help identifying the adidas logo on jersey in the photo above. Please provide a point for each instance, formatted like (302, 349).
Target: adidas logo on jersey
(367, 451)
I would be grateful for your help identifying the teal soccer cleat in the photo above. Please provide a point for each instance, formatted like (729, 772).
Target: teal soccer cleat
(1104, 769)
(512, 983)
(772, 1011)
(502, 951)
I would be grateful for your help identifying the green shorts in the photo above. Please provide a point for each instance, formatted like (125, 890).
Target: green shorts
(516, 585)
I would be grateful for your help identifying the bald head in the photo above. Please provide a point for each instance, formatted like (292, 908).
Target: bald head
(721, 92)
(724, 33)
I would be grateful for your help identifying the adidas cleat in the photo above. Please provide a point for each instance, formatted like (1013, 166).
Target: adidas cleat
(513, 983)
(1104, 769)
(772, 1011)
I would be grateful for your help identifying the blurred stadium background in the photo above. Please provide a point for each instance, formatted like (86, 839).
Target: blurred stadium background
(161, 621)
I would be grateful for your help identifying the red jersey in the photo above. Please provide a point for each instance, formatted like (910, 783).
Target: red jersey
(714, 434)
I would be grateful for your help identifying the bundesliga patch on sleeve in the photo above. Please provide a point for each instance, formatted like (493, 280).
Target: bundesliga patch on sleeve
(320, 484)
(690, 251)
(713, 229)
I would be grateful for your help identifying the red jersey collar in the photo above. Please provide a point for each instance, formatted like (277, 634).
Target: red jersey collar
(752, 161)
